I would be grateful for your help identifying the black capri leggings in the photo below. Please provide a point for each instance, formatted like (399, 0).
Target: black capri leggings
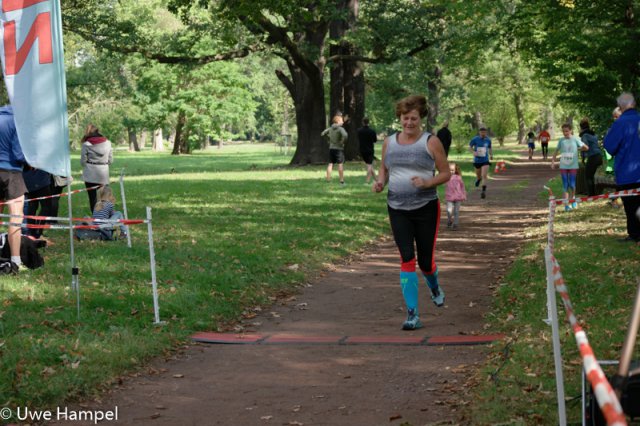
(419, 226)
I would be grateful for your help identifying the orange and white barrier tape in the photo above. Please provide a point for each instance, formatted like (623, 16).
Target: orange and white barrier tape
(605, 395)
(78, 219)
(63, 194)
(624, 193)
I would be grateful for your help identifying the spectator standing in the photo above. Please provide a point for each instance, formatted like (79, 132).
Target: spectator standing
(12, 187)
(623, 142)
(594, 155)
(367, 137)
(95, 157)
(337, 138)
(444, 134)
(38, 183)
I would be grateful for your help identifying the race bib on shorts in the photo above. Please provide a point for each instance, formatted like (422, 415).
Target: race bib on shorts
(566, 158)
(544, 140)
(481, 151)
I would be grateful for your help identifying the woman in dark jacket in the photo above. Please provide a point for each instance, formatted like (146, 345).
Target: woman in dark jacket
(594, 155)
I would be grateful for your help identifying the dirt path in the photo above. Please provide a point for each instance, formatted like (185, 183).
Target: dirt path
(329, 384)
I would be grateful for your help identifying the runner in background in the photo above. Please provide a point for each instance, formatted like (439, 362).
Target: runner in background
(544, 137)
(480, 146)
(531, 144)
(568, 147)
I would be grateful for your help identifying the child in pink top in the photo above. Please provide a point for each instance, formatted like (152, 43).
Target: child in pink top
(455, 194)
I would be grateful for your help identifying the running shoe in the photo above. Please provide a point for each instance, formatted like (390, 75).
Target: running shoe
(574, 205)
(477, 182)
(437, 295)
(483, 195)
(567, 208)
(412, 322)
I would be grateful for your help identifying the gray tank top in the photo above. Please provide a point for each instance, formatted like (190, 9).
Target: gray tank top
(404, 162)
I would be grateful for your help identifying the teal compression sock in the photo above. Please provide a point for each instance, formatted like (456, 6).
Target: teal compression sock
(409, 284)
(432, 279)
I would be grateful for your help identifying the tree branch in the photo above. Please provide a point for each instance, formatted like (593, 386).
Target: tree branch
(164, 58)
(381, 59)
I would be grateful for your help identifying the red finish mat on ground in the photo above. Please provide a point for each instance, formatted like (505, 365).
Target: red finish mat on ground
(266, 339)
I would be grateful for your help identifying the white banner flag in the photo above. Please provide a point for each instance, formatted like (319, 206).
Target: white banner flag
(33, 67)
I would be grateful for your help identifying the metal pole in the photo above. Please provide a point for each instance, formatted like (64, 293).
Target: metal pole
(75, 282)
(124, 206)
(557, 353)
(152, 260)
(629, 343)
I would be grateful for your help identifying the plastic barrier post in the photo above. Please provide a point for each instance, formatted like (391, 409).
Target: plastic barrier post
(124, 207)
(152, 259)
(557, 353)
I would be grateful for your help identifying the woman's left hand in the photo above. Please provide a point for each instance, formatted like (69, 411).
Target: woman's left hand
(419, 182)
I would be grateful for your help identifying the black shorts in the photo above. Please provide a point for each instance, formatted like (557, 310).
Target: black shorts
(336, 156)
(479, 165)
(367, 157)
(11, 185)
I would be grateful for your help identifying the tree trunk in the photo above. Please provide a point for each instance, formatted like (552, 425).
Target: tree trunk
(177, 142)
(307, 93)
(477, 120)
(522, 126)
(433, 88)
(143, 139)
(551, 124)
(354, 106)
(158, 143)
(133, 140)
(347, 79)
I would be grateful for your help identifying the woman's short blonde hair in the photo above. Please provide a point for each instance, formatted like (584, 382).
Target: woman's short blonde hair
(410, 103)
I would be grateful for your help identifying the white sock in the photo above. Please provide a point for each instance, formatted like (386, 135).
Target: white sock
(16, 260)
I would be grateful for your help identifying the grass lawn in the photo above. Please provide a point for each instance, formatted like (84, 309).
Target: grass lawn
(517, 384)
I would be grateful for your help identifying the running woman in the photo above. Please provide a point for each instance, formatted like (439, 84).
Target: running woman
(409, 163)
(480, 146)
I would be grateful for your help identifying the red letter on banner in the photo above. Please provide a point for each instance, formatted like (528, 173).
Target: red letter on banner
(11, 5)
(41, 30)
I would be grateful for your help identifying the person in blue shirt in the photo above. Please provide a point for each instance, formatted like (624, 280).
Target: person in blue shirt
(480, 146)
(12, 187)
(623, 142)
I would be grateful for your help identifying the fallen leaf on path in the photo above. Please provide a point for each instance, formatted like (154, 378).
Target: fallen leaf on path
(293, 267)
(395, 417)
(266, 418)
(178, 376)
